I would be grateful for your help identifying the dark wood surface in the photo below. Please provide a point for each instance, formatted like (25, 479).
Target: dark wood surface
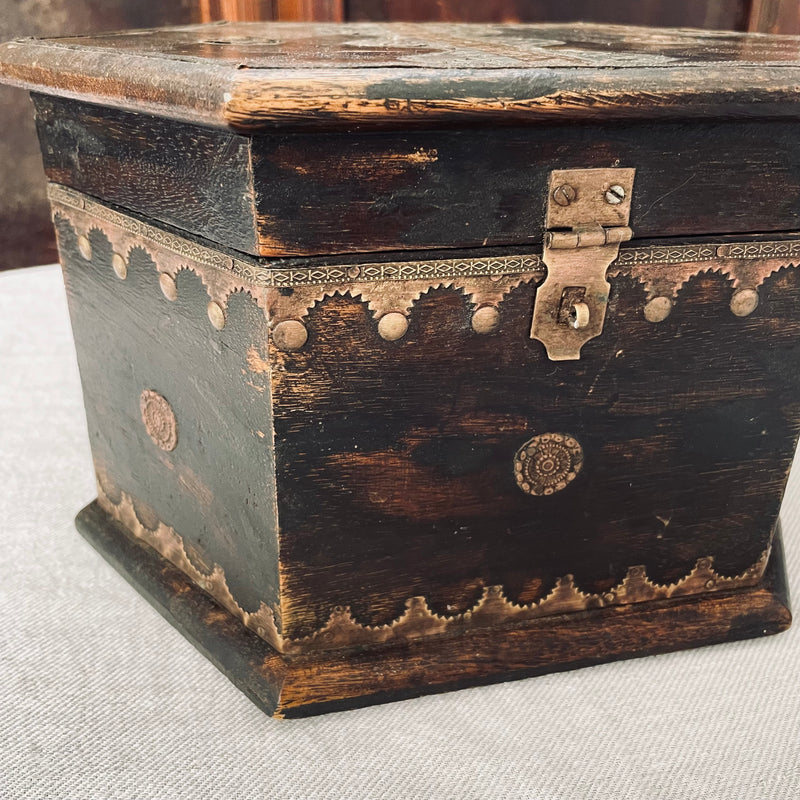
(302, 685)
(259, 76)
(219, 484)
(392, 480)
(194, 178)
(305, 194)
(394, 459)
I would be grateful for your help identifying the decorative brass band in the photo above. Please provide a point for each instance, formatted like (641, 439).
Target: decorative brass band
(392, 288)
(295, 276)
(493, 608)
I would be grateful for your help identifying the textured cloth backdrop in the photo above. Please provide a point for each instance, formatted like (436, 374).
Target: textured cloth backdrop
(101, 698)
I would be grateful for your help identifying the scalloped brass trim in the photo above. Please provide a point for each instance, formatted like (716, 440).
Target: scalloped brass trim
(394, 287)
(418, 620)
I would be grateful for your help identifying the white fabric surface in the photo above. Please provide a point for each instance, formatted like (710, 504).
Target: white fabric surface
(101, 698)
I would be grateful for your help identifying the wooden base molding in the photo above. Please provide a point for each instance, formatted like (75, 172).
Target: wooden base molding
(317, 682)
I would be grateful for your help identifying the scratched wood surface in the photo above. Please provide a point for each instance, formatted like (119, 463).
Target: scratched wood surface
(392, 470)
(256, 76)
(319, 683)
(323, 193)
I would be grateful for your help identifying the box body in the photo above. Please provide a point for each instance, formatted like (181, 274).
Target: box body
(314, 382)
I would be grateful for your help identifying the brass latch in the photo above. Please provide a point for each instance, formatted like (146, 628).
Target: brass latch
(587, 218)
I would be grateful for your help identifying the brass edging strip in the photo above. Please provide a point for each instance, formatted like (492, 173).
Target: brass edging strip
(492, 610)
(297, 276)
(408, 270)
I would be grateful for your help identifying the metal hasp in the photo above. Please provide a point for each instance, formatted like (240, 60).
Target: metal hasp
(587, 218)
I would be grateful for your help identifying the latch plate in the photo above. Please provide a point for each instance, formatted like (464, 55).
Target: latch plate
(587, 217)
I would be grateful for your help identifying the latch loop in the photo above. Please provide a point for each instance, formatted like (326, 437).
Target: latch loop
(587, 218)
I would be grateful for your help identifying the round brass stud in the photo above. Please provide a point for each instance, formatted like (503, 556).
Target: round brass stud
(547, 463)
(216, 315)
(658, 309)
(85, 247)
(486, 319)
(168, 286)
(159, 419)
(744, 302)
(393, 326)
(290, 335)
(120, 266)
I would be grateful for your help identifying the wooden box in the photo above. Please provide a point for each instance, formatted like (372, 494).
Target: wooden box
(418, 357)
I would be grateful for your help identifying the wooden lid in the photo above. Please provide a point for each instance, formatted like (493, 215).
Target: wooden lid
(257, 76)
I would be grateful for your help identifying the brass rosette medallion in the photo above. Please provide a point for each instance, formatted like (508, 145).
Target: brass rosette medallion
(547, 463)
(159, 419)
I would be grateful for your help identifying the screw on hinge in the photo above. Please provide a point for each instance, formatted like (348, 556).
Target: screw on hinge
(615, 194)
(564, 194)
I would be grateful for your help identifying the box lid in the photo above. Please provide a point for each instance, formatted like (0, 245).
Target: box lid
(282, 140)
(255, 76)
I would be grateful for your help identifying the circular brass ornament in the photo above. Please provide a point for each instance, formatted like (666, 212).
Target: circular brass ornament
(486, 319)
(168, 286)
(744, 302)
(159, 419)
(85, 247)
(216, 315)
(120, 266)
(290, 335)
(393, 326)
(658, 309)
(547, 463)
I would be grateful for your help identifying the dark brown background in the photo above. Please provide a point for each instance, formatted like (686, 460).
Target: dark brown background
(26, 235)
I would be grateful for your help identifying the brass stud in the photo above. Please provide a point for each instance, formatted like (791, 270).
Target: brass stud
(168, 287)
(216, 315)
(120, 266)
(486, 319)
(85, 247)
(744, 302)
(290, 335)
(658, 309)
(393, 326)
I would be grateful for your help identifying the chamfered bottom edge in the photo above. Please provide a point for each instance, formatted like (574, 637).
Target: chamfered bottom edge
(336, 680)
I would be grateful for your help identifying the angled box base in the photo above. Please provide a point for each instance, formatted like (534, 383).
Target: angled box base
(294, 686)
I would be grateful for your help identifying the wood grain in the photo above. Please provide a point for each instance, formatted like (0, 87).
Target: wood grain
(302, 685)
(405, 75)
(409, 190)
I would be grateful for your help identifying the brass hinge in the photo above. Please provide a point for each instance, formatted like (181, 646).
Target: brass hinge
(587, 218)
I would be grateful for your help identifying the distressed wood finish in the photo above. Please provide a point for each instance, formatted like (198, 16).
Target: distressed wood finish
(297, 686)
(260, 76)
(409, 190)
(385, 487)
(303, 310)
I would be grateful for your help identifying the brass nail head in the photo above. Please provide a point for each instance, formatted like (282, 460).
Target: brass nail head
(744, 302)
(168, 286)
(658, 309)
(85, 247)
(486, 319)
(216, 315)
(120, 266)
(392, 326)
(290, 335)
